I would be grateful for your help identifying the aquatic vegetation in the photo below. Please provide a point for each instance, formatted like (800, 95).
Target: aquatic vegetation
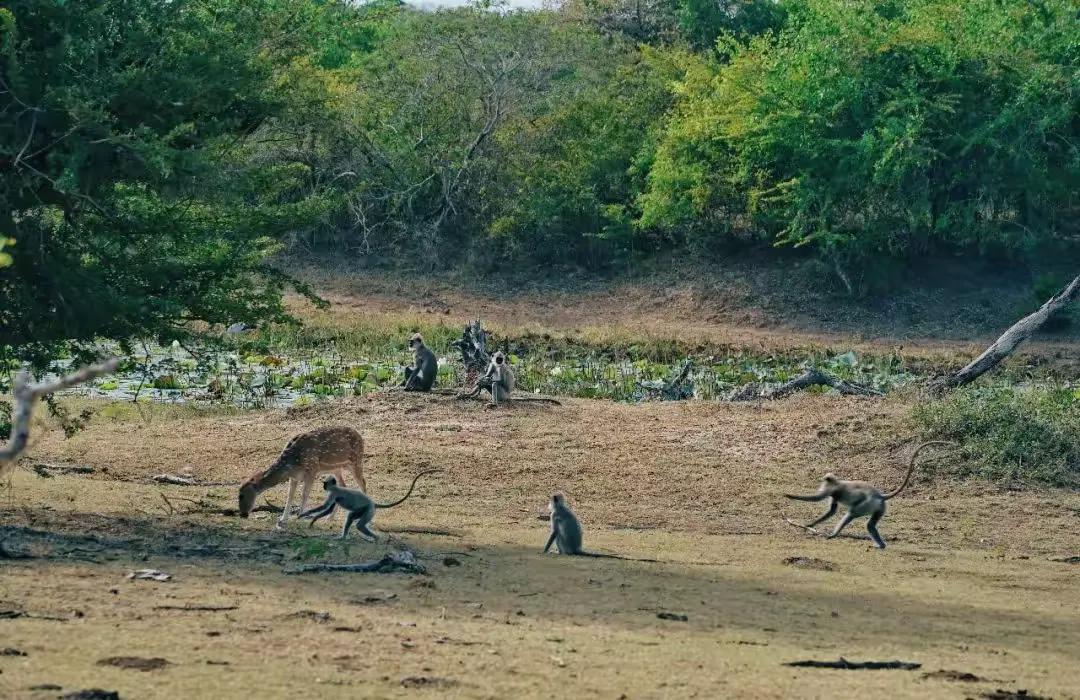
(256, 373)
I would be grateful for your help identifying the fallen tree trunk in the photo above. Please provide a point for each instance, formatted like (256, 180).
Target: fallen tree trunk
(396, 561)
(811, 377)
(846, 665)
(1010, 339)
(27, 394)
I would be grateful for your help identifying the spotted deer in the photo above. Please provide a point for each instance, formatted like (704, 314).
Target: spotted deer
(305, 457)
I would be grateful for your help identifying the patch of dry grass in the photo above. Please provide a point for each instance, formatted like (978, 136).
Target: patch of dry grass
(965, 584)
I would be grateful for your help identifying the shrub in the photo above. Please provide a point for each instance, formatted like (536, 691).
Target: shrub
(5, 420)
(1022, 434)
(868, 129)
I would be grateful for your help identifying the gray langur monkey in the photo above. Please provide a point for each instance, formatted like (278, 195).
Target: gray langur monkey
(566, 531)
(501, 377)
(360, 507)
(859, 498)
(421, 376)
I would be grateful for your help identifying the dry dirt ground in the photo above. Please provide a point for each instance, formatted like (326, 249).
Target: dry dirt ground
(967, 587)
(738, 311)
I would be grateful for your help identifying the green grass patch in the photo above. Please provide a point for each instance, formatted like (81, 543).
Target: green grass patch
(1014, 434)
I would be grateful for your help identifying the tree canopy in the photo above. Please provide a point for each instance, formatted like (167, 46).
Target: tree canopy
(159, 157)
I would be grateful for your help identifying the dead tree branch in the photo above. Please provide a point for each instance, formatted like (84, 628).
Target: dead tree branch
(26, 396)
(473, 347)
(846, 665)
(676, 388)
(1010, 339)
(811, 377)
(396, 561)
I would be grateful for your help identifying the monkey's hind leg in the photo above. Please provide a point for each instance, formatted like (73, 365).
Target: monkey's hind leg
(366, 532)
(871, 527)
(348, 523)
(361, 518)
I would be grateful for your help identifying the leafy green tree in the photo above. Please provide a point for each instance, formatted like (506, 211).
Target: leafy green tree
(564, 184)
(872, 130)
(427, 128)
(125, 180)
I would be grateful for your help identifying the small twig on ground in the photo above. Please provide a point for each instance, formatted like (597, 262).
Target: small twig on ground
(197, 608)
(398, 561)
(48, 471)
(819, 533)
(846, 665)
(173, 479)
(423, 531)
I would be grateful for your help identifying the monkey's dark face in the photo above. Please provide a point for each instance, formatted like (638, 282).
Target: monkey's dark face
(328, 483)
(415, 341)
(499, 358)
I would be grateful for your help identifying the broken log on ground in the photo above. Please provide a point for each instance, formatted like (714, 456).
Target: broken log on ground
(846, 665)
(1009, 340)
(404, 562)
(811, 377)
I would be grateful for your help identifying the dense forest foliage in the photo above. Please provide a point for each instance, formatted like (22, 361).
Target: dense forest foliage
(157, 154)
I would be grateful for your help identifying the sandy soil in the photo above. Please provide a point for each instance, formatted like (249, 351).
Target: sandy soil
(947, 327)
(966, 586)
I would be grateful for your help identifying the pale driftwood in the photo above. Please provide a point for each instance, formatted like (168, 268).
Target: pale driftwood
(173, 479)
(27, 394)
(809, 529)
(811, 377)
(398, 561)
(1010, 339)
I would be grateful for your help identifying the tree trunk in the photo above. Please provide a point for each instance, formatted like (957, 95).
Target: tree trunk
(473, 347)
(1010, 339)
(811, 377)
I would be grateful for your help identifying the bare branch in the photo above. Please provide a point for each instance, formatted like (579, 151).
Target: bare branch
(26, 396)
(811, 377)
